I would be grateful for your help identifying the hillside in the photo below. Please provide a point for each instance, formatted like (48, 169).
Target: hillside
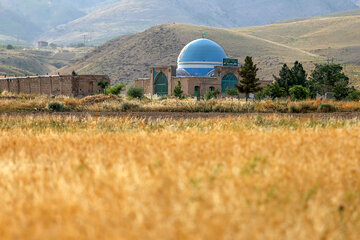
(128, 57)
(118, 17)
(29, 61)
(312, 40)
(27, 19)
(334, 36)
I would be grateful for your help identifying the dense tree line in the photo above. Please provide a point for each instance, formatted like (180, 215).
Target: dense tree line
(325, 78)
(293, 82)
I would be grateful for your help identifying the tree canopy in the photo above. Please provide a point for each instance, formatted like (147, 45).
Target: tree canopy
(291, 77)
(327, 78)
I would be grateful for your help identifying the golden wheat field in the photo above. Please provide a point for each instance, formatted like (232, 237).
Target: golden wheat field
(127, 178)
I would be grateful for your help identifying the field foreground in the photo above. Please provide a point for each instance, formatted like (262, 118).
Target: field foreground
(258, 177)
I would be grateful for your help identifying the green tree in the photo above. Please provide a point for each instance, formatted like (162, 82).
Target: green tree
(135, 92)
(249, 82)
(232, 92)
(115, 90)
(74, 74)
(178, 92)
(291, 77)
(299, 74)
(10, 47)
(103, 84)
(325, 77)
(274, 91)
(285, 79)
(212, 94)
(299, 92)
(354, 94)
(341, 90)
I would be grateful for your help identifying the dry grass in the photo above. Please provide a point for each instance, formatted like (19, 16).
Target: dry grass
(235, 178)
(10, 102)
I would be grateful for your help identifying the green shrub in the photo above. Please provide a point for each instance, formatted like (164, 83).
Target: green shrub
(298, 92)
(126, 106)
(135, 92)
(232, 92)
(354, 95)
(274, 91)
(56, 107)
(327, 107)
(115, 90)
(211, 94)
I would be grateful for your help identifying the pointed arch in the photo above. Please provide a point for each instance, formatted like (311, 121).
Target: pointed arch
(228, 81)
(161, 84)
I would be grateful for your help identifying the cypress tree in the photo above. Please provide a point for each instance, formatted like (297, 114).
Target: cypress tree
(285, 79)
(299, 74)
(178, 92)
(249, 83)
(291, 77)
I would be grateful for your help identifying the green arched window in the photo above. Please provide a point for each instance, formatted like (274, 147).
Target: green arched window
(161, 85)
(228, 81)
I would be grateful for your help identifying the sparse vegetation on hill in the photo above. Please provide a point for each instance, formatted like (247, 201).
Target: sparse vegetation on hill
(333, 37)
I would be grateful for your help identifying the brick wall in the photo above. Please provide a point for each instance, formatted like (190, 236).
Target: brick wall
(67, 85)
(145, 84)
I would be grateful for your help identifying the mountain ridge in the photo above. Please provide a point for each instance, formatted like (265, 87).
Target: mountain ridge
(67, 21)
(131, 16)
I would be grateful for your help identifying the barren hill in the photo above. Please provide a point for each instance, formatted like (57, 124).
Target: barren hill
(128, 57)
(334, 36)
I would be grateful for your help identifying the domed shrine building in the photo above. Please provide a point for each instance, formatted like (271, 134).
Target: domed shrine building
(202, 65)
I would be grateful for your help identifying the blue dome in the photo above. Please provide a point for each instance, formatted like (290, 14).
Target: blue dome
(199, 58)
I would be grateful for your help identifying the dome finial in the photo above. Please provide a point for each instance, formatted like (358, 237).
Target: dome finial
(204, 34)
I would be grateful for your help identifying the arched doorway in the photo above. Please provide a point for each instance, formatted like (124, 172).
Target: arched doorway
(161, 85)
(228, 81)
(197, 91)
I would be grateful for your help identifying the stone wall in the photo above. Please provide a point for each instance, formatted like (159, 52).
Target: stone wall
(75, 86)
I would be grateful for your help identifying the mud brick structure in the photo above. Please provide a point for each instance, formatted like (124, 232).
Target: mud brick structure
(202, 66)
(191, 85)
(67, 85)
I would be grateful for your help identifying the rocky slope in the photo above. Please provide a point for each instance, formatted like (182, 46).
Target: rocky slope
(130, 16)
